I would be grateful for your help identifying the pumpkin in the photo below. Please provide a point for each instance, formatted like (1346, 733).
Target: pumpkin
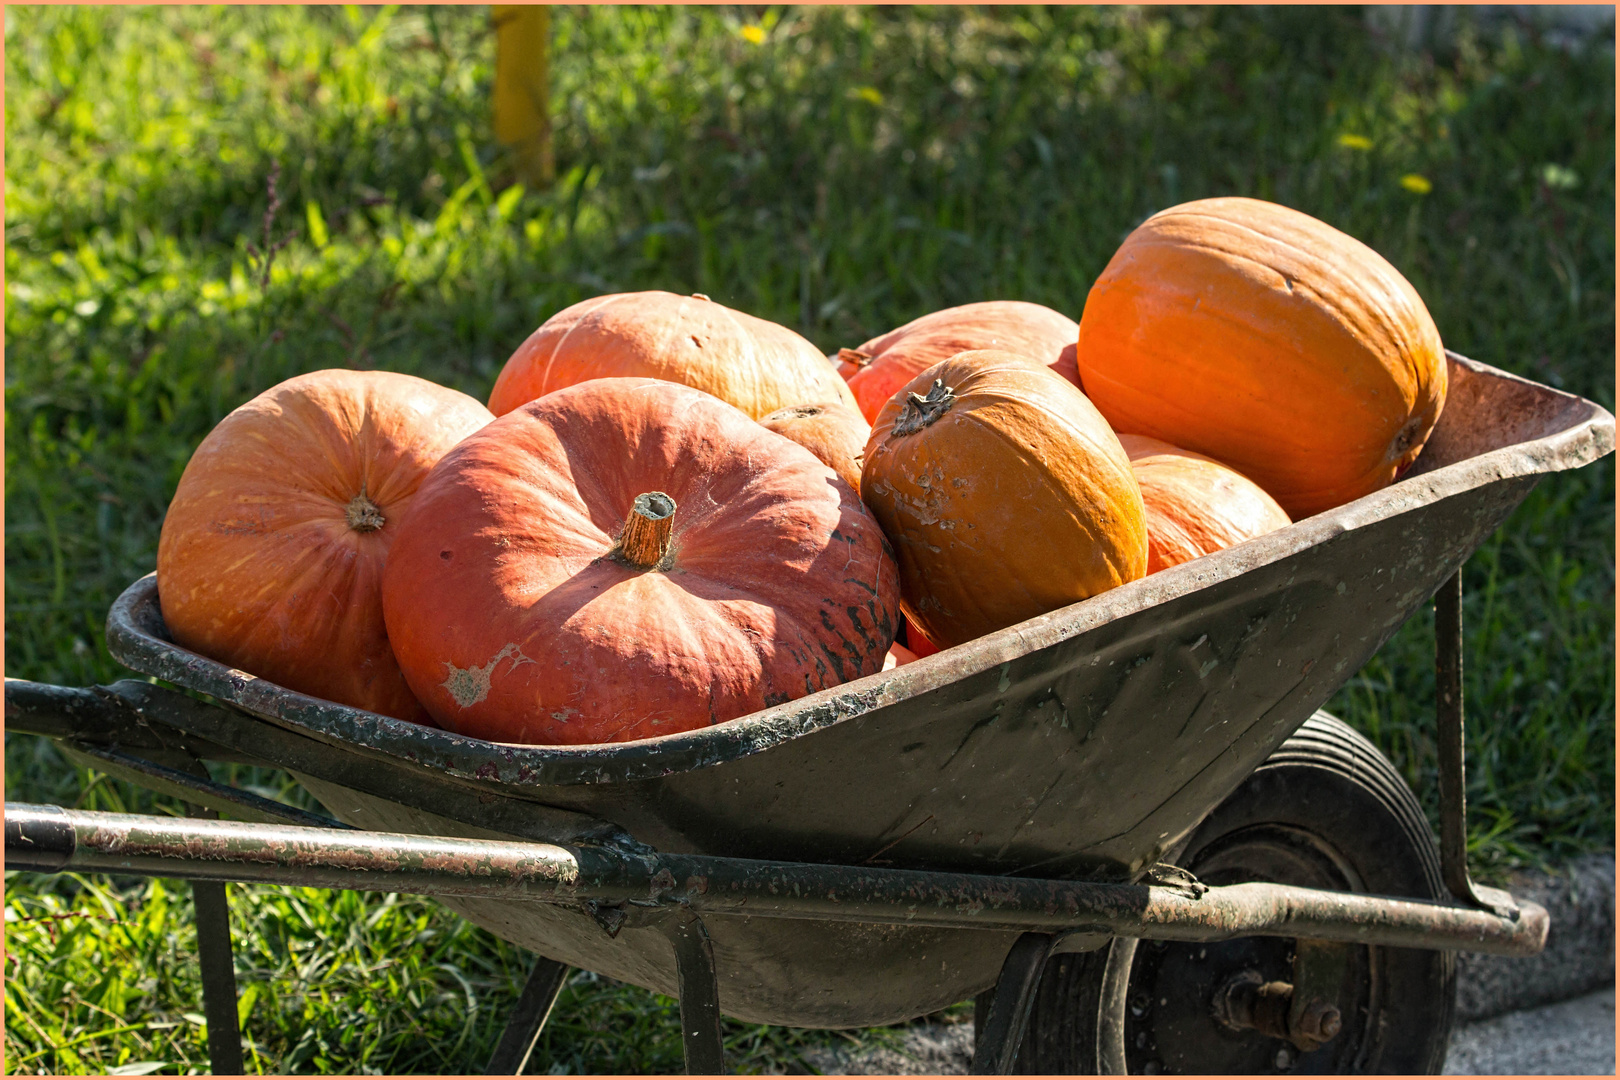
(755, 365)
(848, 361)
(272, 551)
(898, 654)
(628, 558)
(1269, 341)
(883, 365)
(1195, 505)
(832, 431)
(917, 641)
(1004, 493)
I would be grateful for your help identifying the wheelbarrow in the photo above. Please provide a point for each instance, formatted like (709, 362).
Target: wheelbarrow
(1124, 825)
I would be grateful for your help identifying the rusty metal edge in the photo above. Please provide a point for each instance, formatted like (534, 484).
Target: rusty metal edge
(1588, 437)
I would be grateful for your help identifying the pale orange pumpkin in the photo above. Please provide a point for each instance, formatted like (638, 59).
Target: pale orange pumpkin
(831, 430)
(751, 363)
(272, 551)
(1195, 505)
(628, 558)
(883, 365)
(1004, 493)
(1270, 341)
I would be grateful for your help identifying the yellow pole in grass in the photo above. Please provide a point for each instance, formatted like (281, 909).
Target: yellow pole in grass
(523, 88)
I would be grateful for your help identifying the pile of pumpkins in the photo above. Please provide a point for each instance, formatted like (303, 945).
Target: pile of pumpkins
(673, 514)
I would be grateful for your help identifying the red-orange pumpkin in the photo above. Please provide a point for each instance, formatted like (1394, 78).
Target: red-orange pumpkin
(893, 360)
(1195, 505)
(755, 365)
(831, 430)
(1004, 493)
(1269, 341)
(271, 555)
(917, 641)
(629, 558)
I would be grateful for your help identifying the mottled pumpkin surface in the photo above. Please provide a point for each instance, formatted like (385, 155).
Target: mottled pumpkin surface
(894, 359)
(272, 551)
(515, 618)
(836, 433)
(1195, 505)
(754, 364)
(1005, 494)
(1270, 341)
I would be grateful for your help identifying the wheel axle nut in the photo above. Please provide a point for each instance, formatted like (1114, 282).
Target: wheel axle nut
(1246, 1002)
(1318, 1024)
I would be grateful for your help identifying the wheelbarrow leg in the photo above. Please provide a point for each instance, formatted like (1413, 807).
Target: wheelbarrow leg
(218, 977)
(700, 995)
(215, 961)
(1448, 677)
(1003, 1030)
(528, 1017)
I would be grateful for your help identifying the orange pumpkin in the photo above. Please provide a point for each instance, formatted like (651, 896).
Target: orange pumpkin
(893, 360)
(832, 431)
(755, 365)
(271, 555)
(629, 558)
(1004, 493)
(1195, 505)
(1270, 341)
(848, 362)
(918, 641)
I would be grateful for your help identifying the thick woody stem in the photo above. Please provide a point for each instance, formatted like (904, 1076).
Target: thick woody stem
(919, 411)
(645, 539)
(363, 515)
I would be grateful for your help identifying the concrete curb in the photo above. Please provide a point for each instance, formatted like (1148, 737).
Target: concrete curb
(1579, 957)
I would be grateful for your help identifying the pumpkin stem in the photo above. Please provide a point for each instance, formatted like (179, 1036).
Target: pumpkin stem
(796, 412)
(855, 356)
(919, 411)
(644, 542)
(363, 515)
(700, 296)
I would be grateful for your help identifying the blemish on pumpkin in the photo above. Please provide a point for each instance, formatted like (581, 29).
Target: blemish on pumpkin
(469, 686)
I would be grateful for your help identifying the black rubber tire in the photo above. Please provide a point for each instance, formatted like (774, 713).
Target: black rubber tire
(1328, 810)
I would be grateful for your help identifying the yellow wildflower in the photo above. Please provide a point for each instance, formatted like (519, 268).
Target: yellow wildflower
(1415, 183)
(752, 34)
(1355, 142)
(869, 93)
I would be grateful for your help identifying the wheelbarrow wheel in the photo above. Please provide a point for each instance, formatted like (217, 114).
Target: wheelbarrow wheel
(1329, 811)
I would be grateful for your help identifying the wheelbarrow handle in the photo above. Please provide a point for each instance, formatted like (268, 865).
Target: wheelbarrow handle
(52, 839)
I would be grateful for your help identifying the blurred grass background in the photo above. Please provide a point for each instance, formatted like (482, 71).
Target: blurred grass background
(840, 170)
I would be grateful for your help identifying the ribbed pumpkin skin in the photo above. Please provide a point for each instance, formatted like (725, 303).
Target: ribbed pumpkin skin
(832, 431)
(513, 622)
(1195, 505)
(1270, 341)
(755, 365)
(258, 565)
(1015, 501)
(1014, 326)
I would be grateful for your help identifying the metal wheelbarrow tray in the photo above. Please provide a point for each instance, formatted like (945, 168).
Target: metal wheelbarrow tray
(1083, 745)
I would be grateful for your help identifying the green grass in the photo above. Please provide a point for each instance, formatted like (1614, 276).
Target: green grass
(854, 169)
